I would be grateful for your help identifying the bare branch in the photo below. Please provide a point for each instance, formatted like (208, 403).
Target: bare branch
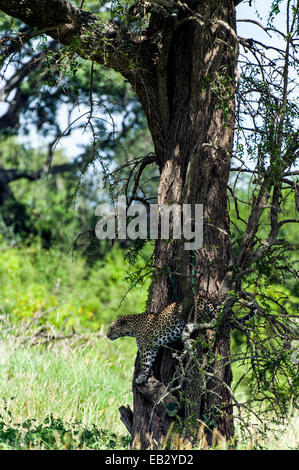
(287, 221)
(13, 44)
(145, 162)
(14, 174)
(20, 74)
(247, 20)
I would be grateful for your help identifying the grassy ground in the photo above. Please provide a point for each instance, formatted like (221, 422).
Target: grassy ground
(71, 390)
(67, 395)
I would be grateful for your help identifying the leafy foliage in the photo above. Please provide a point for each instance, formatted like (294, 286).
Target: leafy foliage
(55, 434)
(64, 291)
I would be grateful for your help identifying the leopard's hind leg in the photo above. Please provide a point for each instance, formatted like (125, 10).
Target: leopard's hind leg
(147, 358)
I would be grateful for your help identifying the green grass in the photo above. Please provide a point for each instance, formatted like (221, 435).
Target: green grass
(66, 396)
(75, 388)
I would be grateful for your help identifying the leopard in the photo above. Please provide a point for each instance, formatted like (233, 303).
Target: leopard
(153, 330)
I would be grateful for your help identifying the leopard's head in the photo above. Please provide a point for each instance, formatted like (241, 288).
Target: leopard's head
(120, 327)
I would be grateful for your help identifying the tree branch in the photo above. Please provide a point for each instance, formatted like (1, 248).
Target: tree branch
(12, 44)
(14, 174)
(147, 161)
(89, 36)
(20, 74)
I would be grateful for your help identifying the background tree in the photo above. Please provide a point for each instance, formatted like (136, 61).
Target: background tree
(181, 61)
(48, 91)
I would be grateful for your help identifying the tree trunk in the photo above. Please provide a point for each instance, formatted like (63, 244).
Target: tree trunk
(182, 69)
(192, 128)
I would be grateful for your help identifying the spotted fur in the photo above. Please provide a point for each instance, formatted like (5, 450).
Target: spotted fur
(153, 331)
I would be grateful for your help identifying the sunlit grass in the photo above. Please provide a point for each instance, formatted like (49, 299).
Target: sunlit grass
(84, 383)
(67, 395)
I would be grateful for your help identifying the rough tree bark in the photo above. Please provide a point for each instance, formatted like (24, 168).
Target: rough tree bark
(183, 72)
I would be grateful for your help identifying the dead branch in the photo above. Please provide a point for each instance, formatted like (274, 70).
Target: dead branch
(150, 158)
(126, 416)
